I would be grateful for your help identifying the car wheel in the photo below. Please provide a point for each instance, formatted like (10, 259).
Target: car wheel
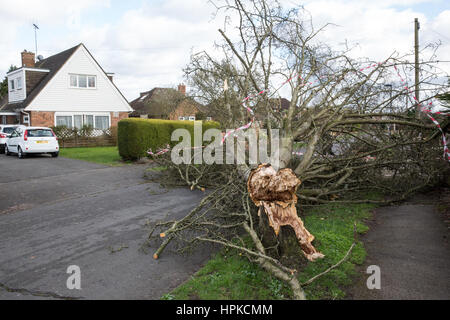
(7, 151)
(20, 154)
(55, 154)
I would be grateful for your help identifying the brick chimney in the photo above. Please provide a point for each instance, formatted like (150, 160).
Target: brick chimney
(182, 89)
(110, 76)
(27, 59)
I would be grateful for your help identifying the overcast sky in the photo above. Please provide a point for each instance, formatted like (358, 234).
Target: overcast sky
(146, 43)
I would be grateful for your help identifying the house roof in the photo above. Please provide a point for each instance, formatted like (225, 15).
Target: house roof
(160, 101)
(3, 102)
(54, 64)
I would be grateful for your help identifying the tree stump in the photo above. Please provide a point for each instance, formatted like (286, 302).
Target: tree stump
(274, 192)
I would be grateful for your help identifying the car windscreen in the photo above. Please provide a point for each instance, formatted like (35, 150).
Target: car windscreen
(39, 133)
(8, 130)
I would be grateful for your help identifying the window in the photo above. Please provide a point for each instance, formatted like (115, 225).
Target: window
(73, 80)
(180, 118)
(78, 121)
(8, 130)
(82, 81)
(19, 83)
(89, 120)
(101, 122)
(64, 121)
(11, 84)
(208, 118)
(192, 118)
(91, 81)
(38, 133)
(26, 119)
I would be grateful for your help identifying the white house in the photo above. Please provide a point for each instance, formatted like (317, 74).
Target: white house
(69, 88)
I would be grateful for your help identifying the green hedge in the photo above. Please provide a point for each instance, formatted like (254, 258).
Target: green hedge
(136, 136)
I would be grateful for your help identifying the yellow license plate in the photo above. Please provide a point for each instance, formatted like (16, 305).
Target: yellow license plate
(41, 141)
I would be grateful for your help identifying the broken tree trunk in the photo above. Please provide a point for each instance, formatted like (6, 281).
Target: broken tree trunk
(275, 192)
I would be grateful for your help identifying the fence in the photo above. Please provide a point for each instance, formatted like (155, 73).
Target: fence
(85, 137)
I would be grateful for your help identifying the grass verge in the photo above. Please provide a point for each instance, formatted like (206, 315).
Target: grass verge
(228, 275)
(103, 155)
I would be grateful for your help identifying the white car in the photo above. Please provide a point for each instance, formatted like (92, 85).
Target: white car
(5, 132)
(24, 140)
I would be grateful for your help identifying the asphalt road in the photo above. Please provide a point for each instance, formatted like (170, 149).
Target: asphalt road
(57, 212)
(410, 244)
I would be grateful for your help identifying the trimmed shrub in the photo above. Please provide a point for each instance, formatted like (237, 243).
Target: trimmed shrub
(136, 136)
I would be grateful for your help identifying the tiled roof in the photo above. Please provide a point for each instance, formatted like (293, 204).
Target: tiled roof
(3, 102)
(158, 102)
(52, 63)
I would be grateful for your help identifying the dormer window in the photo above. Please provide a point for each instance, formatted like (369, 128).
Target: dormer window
(19, 83)
(91, 81)
(83, 81)
(11, 85)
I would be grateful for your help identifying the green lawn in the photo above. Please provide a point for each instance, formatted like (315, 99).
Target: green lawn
(230, 276)
(102, 155)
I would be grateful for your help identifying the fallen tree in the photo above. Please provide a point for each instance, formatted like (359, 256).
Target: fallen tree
(354, 135)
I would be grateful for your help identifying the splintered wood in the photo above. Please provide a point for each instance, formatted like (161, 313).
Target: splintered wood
(275, 192)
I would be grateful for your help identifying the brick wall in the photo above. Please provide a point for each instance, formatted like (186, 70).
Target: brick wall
(42, 119)
(115, 120)
(184, 109)
(27, 59)
(8, 120)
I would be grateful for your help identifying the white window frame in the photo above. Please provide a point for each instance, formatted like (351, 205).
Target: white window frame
(191, 118)
(109, 121)
(208, 118)
(65, 115)
(95, 114)
(12, 85)
(95, 81)
(19, 87)
(87, 81)
(26, 119)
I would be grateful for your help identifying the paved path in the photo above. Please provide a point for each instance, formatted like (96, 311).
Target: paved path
(410, 244)
(60, 212)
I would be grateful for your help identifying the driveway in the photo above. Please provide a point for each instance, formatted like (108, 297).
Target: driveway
(410, 245)
(57, 212)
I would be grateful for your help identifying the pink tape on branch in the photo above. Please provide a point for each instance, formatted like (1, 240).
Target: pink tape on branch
(298, 153)
(444, 140)
(428, 113)
(160, 152)
(167, 149)
(402, 80)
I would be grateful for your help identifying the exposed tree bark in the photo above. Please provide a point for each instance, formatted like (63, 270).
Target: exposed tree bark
(275, 192)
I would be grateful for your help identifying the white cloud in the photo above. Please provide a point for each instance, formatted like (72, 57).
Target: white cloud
(52, 11)
(149, 45)
(378, 29)
(18, 14)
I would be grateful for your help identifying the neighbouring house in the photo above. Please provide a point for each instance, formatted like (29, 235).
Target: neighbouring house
(169, 104)
(7, 117)
(69, 88)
